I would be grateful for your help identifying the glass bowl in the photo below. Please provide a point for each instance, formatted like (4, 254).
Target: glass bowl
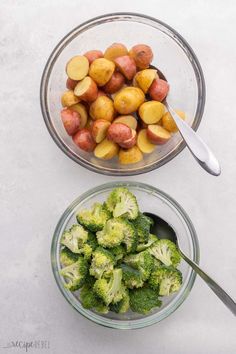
(152, 200)
(172, 55)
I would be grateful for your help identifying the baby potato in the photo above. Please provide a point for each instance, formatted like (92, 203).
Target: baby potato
(169, 123)
(101, 70)
(128, 120)
(89, 124)
(102, 108)
(106, 150)
(115, 83)
(84, 140)
(70, 84)
(142, 54)
(151, 112)
(91, 55)
(115, 50)
(157, 134)
(68, 98)
(80, 108)
(119, 132)
(129, 143)
(99, 129)
(128, 100)
(101, 93)
(130, 156)
(143, 143)
(77, 68)
(71, 121)
(159, 89)
(86, 89)
(144, 79)
(127, 66)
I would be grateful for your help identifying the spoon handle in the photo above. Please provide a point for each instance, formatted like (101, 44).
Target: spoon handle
(196, 145)
(224, 297)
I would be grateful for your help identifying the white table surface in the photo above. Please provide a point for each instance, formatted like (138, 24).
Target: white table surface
(37, 182)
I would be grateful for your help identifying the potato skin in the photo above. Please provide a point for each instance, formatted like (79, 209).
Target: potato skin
(144, 79)
(128, 120)
(91, 55)
(102, 108)
(81, 109)
(71, 121)
(115, 83)
(157, 134)
(115, 50)
(84, 140)
(68, 99)
(119, 132)
(128, 100)
(142, 54)
(99, 129)
(159, 90)
(101, 70)
(127, 66)
(70, 84)
(129, 143)
(130, 156)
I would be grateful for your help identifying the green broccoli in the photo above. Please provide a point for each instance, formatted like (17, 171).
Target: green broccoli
(75, 238)
(118, 252)
(142, 261)
(143, 246)
(166, 280)
(102, 263)
(132, 278)
(121, 202)
(89, 299)
(166, 251)
(92, 240)
(143, 300)
(123, 305)
(95, 218)
(130, 236)
(143, 224)
(67, 257)
(75, 274)
(108, 289)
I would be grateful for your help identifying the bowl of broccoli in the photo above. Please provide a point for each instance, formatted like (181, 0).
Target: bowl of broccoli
(111, 268)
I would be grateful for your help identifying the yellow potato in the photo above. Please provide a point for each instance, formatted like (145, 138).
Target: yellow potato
(101, 70)
(144, 79)
(68, 99)
(115, 50)
(143, 143)
(128, 120)
(80, 108)
(106, 150)
(77, 68)
(130, 156)
(102, 108)
(128, 100)
(151, 112)
(169, 123)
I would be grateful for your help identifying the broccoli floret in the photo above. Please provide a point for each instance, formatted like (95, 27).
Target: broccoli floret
(92, 240)
(112, 234)
(75, 238)
(102, 263)
(166, 280)
(67, 257)
(143, 224)
(75, 274)
(144, 246)
(121, 202)
(166, 251)
(132, 278)
(118, 252)
(143, 300)
(107, 289)
(130, 236)
(142, 261)
(123, 305)
(87, 251)
(95, 218)
(89, 299)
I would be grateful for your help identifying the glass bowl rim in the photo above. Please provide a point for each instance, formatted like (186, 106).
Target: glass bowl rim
(125, 324)
(101, 20)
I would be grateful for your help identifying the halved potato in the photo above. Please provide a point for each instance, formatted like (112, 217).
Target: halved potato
(128, 120)
(80, 108)
(101, 70)
(151, 112)
(145, 78)
(68, 98)
(106, 150)
(130, 156)
(86, 89)
(102, 108)
(99, 129)
(143, 143)
(157, 134)
(77, 68)
(115, 50)
(169, 123)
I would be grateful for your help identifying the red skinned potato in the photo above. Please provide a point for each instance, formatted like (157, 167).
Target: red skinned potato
(86, 89)
(119, 132)
(127, 66)
(70, 84)
(71, 121)
(159, 89)
(101, 93)
(115, 83)
(129, 143)
(157, 134)
(99, 129)
(91, 55)
(84, 140)
(142, 55)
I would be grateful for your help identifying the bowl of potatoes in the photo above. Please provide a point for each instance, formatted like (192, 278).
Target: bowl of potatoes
(103, 98)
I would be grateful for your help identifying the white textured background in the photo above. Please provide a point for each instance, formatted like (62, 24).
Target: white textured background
(37, 182)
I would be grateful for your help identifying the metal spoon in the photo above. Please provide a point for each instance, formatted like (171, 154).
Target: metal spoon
(164, 231)
(196, 145)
